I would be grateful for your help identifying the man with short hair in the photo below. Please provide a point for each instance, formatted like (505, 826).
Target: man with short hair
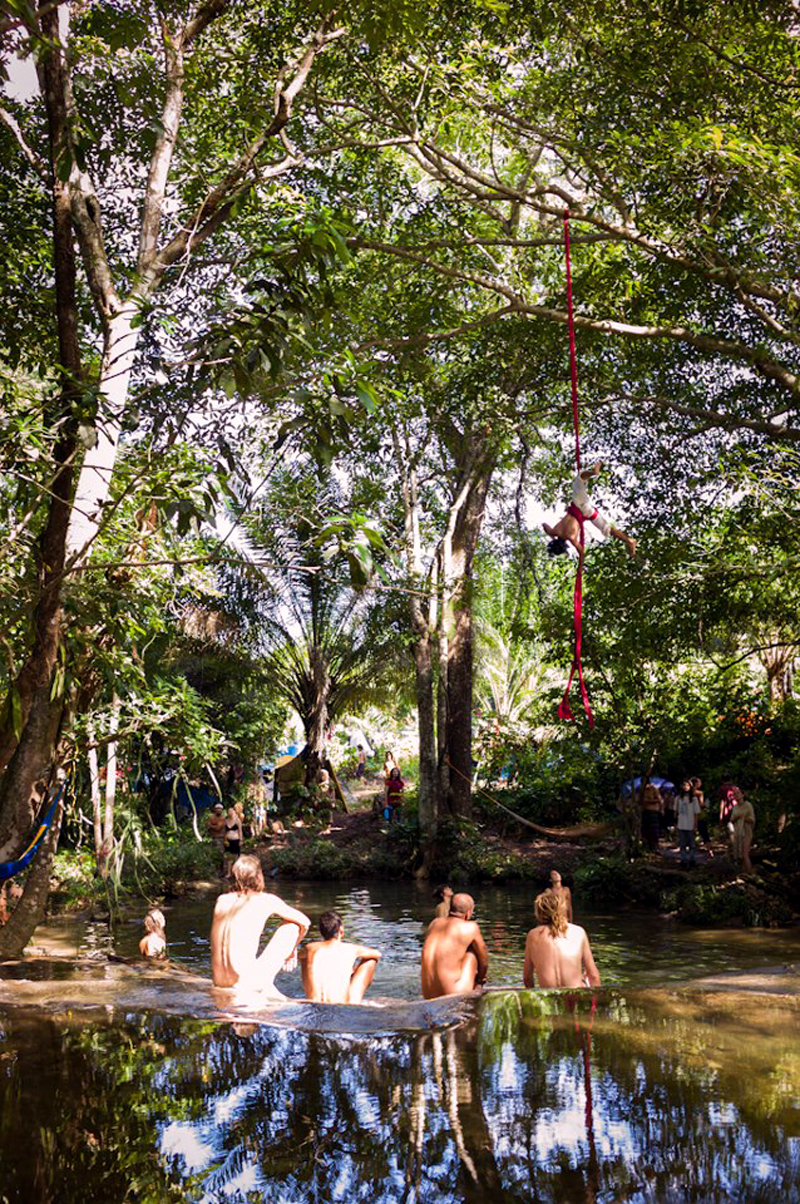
(330, 973)
(557, 952)
(239, 919)
(454, 955)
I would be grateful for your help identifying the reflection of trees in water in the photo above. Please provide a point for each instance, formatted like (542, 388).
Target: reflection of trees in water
(496, 1109)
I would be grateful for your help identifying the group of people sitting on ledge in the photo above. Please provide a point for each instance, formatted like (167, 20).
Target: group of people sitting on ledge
(454, 955)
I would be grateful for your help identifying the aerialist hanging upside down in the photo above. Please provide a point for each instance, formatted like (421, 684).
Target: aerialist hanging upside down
(568, 529)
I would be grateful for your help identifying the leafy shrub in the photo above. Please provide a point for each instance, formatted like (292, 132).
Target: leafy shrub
(607, 880)
(729, 903)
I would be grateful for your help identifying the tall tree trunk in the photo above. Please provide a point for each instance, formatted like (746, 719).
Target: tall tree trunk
(96, 797)
(32, 718)
(106, 846)
(29, 911)
(442, 649)
(428, 798)
(97, 471)
(316, 725)
(458, 624)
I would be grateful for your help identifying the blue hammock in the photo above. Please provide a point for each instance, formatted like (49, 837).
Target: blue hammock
(9, 868)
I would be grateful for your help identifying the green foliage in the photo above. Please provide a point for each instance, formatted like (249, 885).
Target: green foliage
(730, 903)
(554, 783)
(606, 879)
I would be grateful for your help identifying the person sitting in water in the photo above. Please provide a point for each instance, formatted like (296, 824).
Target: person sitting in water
(557, 952)
(239, 919)
(442, 895)
(563, 892)
(330, 973)
(454, 955)
(568, 529)
(154, 942)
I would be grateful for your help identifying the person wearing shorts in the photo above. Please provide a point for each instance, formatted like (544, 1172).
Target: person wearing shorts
(569, 529)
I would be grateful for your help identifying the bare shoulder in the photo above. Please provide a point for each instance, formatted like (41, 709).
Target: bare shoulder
(225, 902)
(576, 932)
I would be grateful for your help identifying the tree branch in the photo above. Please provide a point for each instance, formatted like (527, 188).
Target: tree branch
(163, 150)
(216, 205)
(782, 431)
(756, 356)
(36, 162)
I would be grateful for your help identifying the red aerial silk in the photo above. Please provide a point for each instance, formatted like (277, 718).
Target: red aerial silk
(564, 709)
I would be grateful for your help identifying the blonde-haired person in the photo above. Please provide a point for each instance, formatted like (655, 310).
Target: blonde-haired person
(154, 942)
(556, 952)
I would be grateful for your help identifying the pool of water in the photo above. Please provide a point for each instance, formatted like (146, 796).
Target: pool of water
(620, 1096)
(629, 948)
(121, 1083)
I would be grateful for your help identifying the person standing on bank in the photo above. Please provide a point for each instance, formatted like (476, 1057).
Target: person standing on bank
(702, 818)
(652, 808)
(688, 810)
(743, 818)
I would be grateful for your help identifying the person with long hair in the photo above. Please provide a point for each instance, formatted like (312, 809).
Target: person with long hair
(568, 529)
(239, 919)
(556, 952)
(393, 795)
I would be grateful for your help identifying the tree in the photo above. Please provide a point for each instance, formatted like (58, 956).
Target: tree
(140, 187)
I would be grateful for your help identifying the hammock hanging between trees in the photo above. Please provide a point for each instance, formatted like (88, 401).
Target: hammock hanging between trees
(564, 709)
(9, 868)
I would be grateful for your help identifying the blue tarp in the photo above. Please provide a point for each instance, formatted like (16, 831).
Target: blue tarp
(9, 868)
(661, 783)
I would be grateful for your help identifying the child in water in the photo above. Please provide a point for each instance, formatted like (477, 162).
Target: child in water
(154, 942)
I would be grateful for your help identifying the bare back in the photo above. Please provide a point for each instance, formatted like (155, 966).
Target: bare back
(239, 919)
(328, 969)
(454, 957)
(559, 961)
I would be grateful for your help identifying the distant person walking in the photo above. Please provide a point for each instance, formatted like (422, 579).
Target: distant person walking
(389, 763)
(361, 767)
(688, 810)
(216, 831)
(702, 816)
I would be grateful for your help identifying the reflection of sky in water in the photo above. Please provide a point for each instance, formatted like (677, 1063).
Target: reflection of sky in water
(629, 948)
(495, 1110)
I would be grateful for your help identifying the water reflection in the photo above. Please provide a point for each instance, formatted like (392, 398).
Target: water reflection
(533, 1097)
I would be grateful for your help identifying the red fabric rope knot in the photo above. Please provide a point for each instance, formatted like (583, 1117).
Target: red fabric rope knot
(564, 709)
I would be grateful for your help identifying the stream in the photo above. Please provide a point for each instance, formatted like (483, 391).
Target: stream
(122, 1083)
